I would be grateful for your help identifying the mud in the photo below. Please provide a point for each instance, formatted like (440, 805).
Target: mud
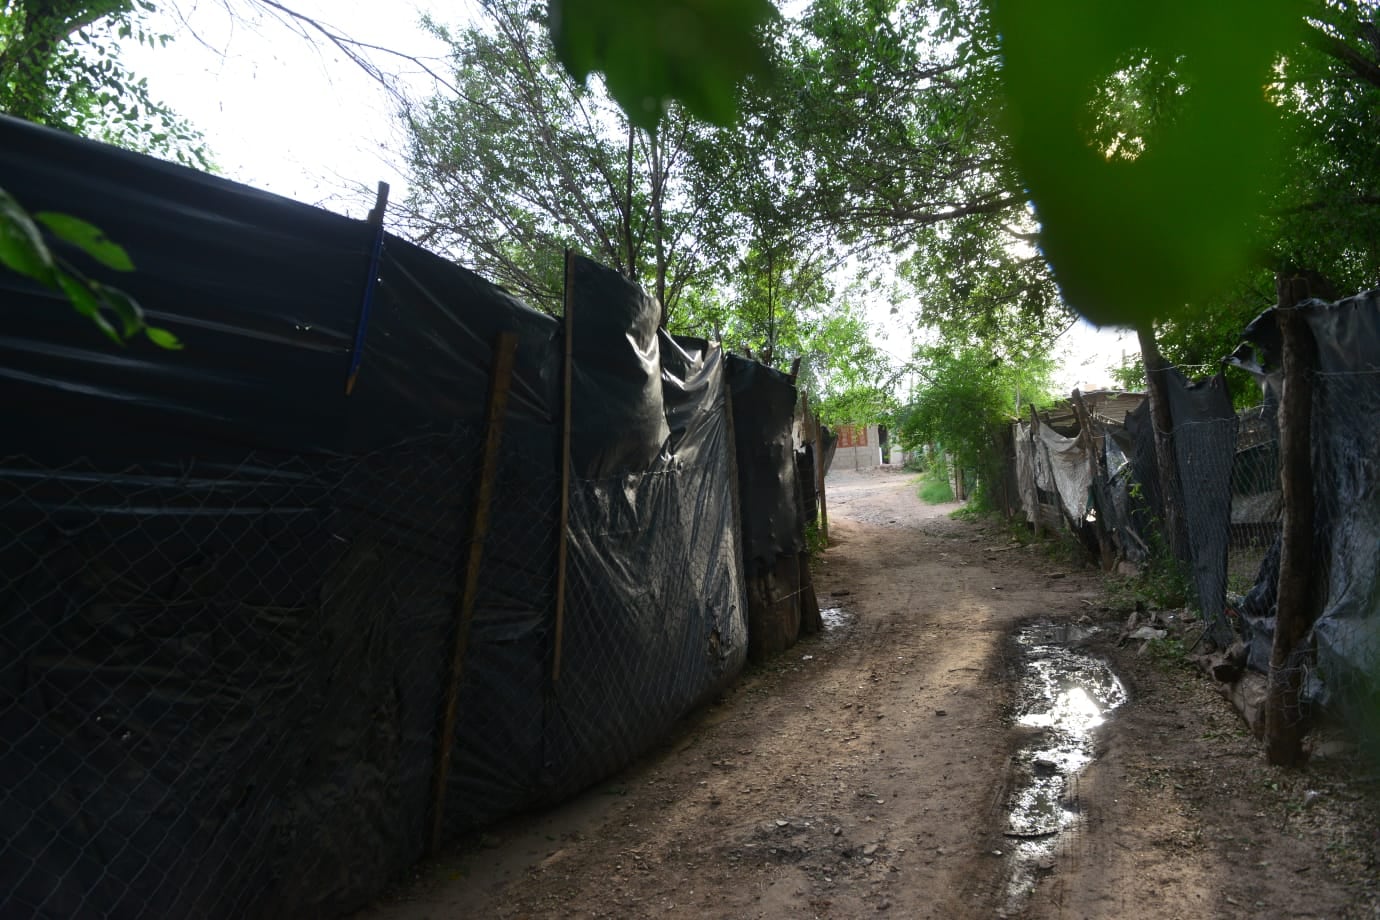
(1064, 696)
(872, 770)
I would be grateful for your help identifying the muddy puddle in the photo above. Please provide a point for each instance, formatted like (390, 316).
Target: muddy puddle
(1064, 696)
(836, 619)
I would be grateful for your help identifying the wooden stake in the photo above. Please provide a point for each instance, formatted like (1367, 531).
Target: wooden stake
(500, 380)
(1297, 601)
(1166, 466)
(819, 483)
(563, 518)
(1035, 445)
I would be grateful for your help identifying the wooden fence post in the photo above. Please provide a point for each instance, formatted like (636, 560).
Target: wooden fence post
(500, 380)
(1162, 423)
(819, 483)
(1297, 601)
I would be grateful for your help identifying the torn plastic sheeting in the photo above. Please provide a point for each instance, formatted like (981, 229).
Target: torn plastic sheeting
(639, 651)
(1025, 472)
(1061, 466)
(1127, 520)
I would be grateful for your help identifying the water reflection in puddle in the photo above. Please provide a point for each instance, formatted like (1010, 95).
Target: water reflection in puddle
(1064, 696)
(836, 618)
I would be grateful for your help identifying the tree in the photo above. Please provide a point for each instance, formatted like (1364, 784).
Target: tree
(521, 161)
(1321, 221)
(60, 66)
(967, 396)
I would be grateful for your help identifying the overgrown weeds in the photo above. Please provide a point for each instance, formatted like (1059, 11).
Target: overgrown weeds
(814, 540)
(935, 488)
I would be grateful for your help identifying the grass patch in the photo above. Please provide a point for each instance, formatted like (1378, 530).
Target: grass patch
(1169, 654)
(1162, 587)
(814, 540)
(935, 488)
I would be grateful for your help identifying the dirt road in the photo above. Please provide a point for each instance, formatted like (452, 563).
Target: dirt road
(872, 771)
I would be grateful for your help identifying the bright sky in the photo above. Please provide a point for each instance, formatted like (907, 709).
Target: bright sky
(298, 118)
(287, 114)
(1087, 353)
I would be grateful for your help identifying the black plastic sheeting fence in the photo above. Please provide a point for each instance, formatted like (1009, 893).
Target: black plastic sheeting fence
(1229, 496)
(228, 589)
(766, 462)
(1128, 496)
(1346, 498)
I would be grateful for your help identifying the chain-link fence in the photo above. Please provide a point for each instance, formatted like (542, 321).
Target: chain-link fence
(1231, 512)
(1346, 635)
(220, 686)
(219, 683)
(253, 665)
(1256, 501)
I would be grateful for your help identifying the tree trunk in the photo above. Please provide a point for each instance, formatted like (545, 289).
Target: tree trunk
(658, 222)
(628, 243)
(1157, 384)
(1297, 601)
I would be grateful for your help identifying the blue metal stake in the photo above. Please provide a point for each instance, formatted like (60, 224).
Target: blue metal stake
(370, 284)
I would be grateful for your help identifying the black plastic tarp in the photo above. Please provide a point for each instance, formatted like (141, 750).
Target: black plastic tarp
(655, 617)
(229, 589)
(763, 414)
(1346, 489)
(1204, 451)
(831, 445)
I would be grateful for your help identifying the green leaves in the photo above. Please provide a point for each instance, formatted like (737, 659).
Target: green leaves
(23, 250)
(88, 238)
(1140, 216)
(21, 244)
(967, 394)
(694, 52)
(60, 66)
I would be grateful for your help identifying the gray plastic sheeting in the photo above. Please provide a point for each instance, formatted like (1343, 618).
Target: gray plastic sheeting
(1054, 464)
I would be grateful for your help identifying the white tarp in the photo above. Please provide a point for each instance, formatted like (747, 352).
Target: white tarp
(1025, 472)
(1061, 466)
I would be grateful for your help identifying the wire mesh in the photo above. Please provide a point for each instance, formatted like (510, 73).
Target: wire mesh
(1346, 637)
(1256, 500)
(220, 683)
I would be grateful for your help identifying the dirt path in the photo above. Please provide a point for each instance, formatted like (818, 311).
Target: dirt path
(871, 770)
